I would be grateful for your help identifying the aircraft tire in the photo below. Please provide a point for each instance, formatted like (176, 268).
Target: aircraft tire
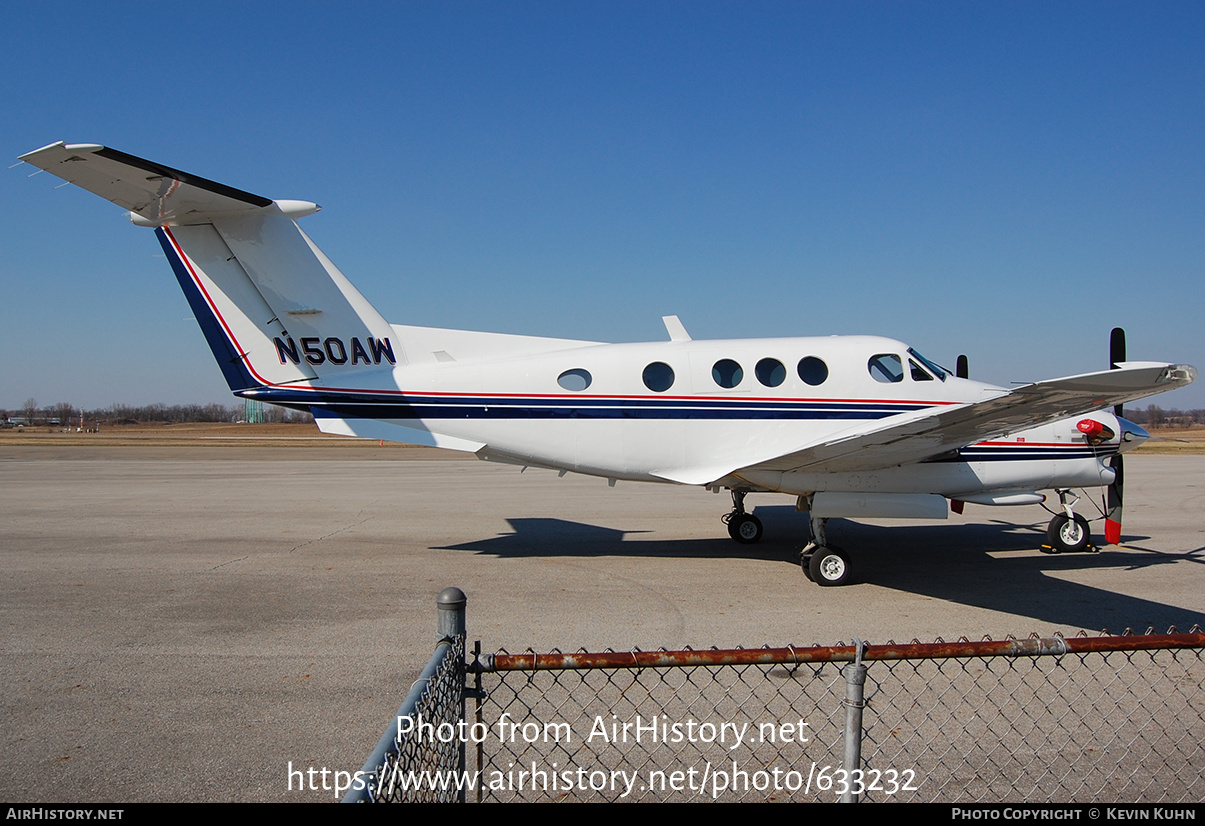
(1068, 537)
(745, 528)
(829, 567)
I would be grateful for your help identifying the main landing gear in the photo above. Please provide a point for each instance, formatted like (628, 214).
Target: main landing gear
(822, 563)
(1068, 532)
(745, 528)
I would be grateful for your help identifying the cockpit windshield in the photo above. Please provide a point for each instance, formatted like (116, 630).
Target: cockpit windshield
(935, 368)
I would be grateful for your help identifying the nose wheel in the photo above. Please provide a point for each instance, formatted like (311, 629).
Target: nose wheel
(1068, 532)
(1068, 536)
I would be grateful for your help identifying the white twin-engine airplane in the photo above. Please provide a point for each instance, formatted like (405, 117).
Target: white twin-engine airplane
(853, 426)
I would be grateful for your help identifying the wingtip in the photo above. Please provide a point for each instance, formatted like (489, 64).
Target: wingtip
(76, 148)
(1182, 373)
(40, 150)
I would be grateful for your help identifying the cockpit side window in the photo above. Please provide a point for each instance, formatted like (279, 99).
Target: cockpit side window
(930, 365)
(918, 372)
(887, 368)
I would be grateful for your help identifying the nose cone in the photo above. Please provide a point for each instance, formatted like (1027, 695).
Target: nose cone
(1132, 435)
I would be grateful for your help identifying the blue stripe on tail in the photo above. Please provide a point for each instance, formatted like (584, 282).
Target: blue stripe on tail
(231, 362)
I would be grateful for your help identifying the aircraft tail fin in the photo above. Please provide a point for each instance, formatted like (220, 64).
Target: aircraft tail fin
(273, 308)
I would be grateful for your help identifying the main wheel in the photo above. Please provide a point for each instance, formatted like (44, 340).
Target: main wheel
(1068, 535)
(745, 528)
(805, 562)
(829, 566)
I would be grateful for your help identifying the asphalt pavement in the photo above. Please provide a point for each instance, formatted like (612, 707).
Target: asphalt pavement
(183, 623)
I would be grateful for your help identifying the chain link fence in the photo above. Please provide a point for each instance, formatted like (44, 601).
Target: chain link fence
(1099, 719)
(1104, 719)
(421, 755)
(1104, 722)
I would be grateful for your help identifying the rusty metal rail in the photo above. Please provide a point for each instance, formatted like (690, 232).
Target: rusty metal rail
(791, 655)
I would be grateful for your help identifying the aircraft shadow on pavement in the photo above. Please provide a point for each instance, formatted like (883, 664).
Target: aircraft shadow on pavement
(993, 565)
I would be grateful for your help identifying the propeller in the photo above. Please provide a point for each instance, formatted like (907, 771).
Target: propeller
(961, 371)
(1117, 354)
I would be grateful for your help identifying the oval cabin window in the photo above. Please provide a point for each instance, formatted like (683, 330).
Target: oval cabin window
(770, 372)
(813, 371)
(658, 377)
(727, 373)
(575, 380)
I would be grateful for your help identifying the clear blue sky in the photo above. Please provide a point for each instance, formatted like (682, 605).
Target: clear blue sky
(1006, 180)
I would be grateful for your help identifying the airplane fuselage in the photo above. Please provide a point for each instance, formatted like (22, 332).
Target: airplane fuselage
(646, 411)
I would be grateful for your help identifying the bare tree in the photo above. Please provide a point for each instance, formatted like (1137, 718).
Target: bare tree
(65, 412)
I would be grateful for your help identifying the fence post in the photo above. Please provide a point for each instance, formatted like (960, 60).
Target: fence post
(451, 627)
(855, 684)
(451, 604)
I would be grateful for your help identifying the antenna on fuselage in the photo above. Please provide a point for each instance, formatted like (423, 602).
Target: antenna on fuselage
(675, 328)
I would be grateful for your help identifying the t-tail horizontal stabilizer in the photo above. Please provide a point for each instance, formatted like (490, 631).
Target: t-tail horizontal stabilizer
(272, 306)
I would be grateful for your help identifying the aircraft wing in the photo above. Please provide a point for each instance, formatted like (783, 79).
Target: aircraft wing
(158, 193)
(929, 433)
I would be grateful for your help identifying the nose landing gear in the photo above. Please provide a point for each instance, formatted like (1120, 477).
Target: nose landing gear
(1068, 532)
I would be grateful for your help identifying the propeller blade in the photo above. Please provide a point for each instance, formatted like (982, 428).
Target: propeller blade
(1113, 516)
(1117, 354)
(961, 368)
(1117, 347)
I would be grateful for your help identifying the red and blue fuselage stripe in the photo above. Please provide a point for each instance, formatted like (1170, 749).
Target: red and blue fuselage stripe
(399, 404)
(402, 405)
